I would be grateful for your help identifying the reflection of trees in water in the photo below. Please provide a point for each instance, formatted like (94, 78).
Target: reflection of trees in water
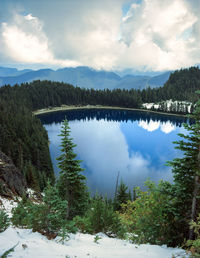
(110, 115)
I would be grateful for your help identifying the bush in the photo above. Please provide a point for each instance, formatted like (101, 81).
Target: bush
(20, 213)
(101, 217)
(149, 217)
(4, 221)
(48, 217)
(194, 245)
(83, 224)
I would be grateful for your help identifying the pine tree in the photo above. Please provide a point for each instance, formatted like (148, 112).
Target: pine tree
(186, 172)
(71, 183)
(122, 196)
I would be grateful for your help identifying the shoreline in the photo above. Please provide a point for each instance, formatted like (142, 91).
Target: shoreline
(65, 107)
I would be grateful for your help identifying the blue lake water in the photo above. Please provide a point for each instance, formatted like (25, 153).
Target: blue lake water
(134, 144)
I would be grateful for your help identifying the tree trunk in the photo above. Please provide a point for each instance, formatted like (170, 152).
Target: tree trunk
(194, 202)
(194, 199)
(116, 187)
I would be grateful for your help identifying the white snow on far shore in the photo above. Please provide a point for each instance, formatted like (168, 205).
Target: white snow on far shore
(32, 245)
(148, 105)
(179, 106)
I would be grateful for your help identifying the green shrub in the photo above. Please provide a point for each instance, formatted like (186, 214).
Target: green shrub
(83, 224)
(101, 217)
(20, 213)
(68, 227)
(194, 245)
(48, 216)
(149, 217)
(4, 221)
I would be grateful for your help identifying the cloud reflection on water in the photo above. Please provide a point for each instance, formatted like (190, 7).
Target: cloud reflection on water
(106, 148)
(105, 151)
(165, 127)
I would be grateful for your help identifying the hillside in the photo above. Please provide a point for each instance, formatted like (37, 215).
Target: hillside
(159, 80)
(24, 140)
(12, 181)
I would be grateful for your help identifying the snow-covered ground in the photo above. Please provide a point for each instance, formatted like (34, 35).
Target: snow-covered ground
(33, 245)
(79, 245)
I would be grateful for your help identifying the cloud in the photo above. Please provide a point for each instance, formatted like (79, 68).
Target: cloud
(149, 126)
(154, 32)
(165, 127)
(25, 41)
(150, 35)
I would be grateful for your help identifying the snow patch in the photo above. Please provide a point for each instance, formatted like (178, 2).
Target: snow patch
(169, 106)
(7, 205)
(79, 245)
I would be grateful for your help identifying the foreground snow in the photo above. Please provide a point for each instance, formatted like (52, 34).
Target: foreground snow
(80, 245)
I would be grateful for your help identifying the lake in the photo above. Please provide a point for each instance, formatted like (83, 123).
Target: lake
(132, 143)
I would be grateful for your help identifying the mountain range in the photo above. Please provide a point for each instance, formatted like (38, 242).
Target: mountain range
(83, 76)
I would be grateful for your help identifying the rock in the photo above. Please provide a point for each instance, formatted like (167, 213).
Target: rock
(24, 246)
(12, 181)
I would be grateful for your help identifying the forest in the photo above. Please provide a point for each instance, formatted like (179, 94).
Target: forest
(23, 138)
(159, 216)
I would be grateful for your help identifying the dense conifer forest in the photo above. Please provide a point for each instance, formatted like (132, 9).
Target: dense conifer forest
(23, 138)
(160, 216)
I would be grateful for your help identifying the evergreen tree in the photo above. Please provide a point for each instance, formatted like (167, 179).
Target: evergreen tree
(186, 172)
(71, 183)
(122, 195)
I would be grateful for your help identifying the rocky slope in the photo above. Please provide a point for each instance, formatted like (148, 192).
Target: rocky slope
(12, 181)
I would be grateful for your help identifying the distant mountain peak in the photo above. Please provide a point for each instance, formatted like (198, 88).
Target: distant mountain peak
(83, 76)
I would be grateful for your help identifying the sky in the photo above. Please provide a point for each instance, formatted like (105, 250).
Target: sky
(142, 35)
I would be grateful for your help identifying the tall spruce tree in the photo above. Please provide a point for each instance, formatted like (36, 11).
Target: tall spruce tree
(186, 172)
(71, 183)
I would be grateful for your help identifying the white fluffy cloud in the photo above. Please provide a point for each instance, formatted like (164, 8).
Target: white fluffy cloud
(165, 127)
(25, 42)
(152, 34)
(160, 34)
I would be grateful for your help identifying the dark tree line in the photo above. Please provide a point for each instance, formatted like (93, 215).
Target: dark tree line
(42, 94)
(23, 138)
(180, 86)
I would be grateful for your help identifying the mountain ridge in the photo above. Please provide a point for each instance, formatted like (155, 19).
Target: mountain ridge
(84, 77)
